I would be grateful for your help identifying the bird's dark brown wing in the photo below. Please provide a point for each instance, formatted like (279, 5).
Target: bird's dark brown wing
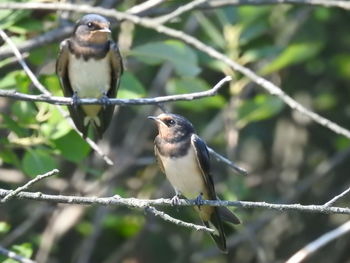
(117, 68)
(159, 160)
(203, 161)
(62, 63)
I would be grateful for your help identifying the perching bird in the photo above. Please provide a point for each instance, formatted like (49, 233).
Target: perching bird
(184, 159)
(89, 65)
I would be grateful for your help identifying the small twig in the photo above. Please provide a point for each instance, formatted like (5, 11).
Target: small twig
(175, 221)
(325, 3)
(122, 102)
(226, 161)
(15, 192)
(24, 65)
(137, 9)
(142, 203)
(319, 243)
(14, 256)
(336, 198)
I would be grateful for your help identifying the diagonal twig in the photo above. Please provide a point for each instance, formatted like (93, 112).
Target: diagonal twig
(14, 256)
(168, 218)
(336, 198)
(319, 243)
(15, 192)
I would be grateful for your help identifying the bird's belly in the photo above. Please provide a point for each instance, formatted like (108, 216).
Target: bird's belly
(91, 78)
(184, 175)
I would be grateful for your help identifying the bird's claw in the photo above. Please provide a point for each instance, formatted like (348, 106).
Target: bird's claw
(199, 200)
(105, 101)
(75, 100)
(175, 200)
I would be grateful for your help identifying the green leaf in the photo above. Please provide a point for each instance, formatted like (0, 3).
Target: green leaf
(8, 156)
(293, 54)
(14, 126)
(125, 226)
(210, 29)
(189, 85)
(85, 228)
(4, 227)
(183, 58)
(130, 87)
(341, 63)
(8, 81)
(38, 161)
(262, 52)
(259, 108)
(72, 147)
(25, 112)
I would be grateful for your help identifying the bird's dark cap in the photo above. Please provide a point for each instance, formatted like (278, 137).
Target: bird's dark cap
(170, 119)
(93, 22)
(93, 18)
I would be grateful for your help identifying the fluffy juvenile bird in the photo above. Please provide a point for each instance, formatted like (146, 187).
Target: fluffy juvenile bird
(89, 65)
(184, 158)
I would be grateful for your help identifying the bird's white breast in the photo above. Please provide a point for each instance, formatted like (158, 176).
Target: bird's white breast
(91, 78)
(184, 174)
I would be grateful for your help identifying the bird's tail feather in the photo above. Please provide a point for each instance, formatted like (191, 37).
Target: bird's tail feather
(228, 216)
(219, 235)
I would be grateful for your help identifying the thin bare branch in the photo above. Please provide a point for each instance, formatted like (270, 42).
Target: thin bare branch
(142, 203)
(137, 9)
(319, 243)
(38, 178)
(24, 65)
(166, 217)
(122, 102)
(14, 256)
(336, 198)
(325, 3)
(150, 23)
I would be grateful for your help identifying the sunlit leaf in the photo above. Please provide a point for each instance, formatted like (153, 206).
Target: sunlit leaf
(4, 227)
(72, 147)
(210, 29)
(130, 87)
(259, 108)
(190, 85)
(183, 58)
(38, 161)
(293, 54)
(126, 225)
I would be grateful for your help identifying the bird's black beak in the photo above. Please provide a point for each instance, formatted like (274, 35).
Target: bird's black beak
(157, 120)
(105, 30)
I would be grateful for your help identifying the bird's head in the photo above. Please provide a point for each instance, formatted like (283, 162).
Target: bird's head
(92, 29)
(172, 127)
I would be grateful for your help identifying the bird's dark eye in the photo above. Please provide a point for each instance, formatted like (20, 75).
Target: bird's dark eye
(90, 25)
(170, 122)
